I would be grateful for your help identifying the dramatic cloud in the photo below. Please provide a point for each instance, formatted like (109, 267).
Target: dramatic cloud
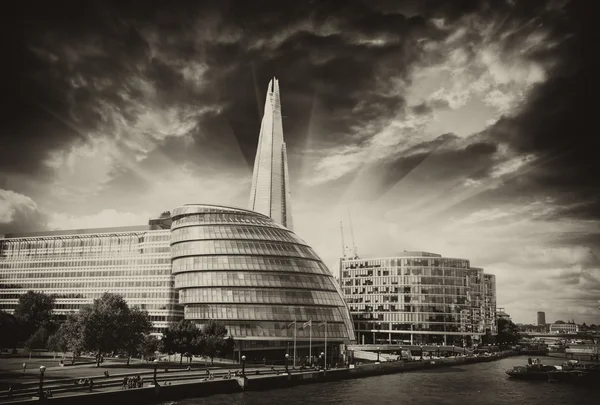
(461, 128)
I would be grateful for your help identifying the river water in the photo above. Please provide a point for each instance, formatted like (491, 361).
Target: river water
(483, 383)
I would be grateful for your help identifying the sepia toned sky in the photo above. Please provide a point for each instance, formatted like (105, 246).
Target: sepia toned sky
(463, 128)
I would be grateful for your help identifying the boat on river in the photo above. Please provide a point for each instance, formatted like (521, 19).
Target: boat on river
(537, 372)
(570, 371)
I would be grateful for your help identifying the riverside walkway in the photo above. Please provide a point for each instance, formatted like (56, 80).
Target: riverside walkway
(184, 384)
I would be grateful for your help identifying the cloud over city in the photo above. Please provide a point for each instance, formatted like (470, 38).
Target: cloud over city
(461, 128)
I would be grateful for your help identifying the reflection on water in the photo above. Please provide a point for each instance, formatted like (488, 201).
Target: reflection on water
(484, 383)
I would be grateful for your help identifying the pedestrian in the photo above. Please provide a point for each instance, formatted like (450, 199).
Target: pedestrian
(529, 361)
(24, 367)
(91, 384)
(10, 391)
(125, 382)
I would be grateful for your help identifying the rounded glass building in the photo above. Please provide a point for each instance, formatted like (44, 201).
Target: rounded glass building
(255, 276)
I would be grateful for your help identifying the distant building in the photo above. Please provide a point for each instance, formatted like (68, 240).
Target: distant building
(564, 327)
(501, 314)
(541, 318)
(418, 298)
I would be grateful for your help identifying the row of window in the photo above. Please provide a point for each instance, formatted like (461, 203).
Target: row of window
(96, 243)
(263, 312)
(449, 309)
(236, 247)
(423, 327)
(96, 261)
(287, 264)
(259, 296)
(253, 279)
(411, 270)
(90, 283)
(93, 293)
(19, 276)
(394, 262)
(58, 306)
(396, 280)
(218, 219)
(415, 289)
(234, 232)
(195, 209)
(335, 331)
(413, 319)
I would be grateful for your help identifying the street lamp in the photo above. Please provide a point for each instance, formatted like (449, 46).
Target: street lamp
(42, 369)
(287, 356)
(378, 349)
(155, 367)
(243, 365)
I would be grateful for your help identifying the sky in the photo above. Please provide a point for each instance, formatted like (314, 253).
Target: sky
(463, 128)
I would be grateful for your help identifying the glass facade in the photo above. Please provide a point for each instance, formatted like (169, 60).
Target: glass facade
(243, 269)
(79, 266)
(270, 193)
(418, 298)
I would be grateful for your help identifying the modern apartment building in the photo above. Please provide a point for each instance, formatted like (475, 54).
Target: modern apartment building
(418, 298)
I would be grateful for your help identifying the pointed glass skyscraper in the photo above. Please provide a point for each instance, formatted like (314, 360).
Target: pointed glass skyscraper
(270, 194)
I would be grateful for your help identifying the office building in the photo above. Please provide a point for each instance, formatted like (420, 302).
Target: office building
(418, 298)
(560, 327)
(541, 318)
(256, 276)
(270, 193)
(78, 266)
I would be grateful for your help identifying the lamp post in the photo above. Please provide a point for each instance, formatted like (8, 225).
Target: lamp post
(287, 356)
(42, 369)
(378, 350)
(243, 365)
(155, 367)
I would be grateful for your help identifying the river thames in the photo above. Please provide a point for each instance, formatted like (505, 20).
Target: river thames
(482, 383)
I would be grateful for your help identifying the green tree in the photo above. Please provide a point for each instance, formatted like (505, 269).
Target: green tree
(138, 326)
(508, 333)
(183, 337)
(215, 341)
(33, 312)
(10, 329)
(37, 340)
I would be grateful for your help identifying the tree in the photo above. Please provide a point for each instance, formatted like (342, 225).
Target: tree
(10, 329)
(139, 325)
(37, 340)
(508, 333)
(183, 337)
(214, 340)
(149, 346)
(33, 312)
(57, 342)
(102, 326)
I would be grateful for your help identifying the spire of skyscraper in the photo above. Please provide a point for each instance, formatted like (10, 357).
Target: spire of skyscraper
(270, 193)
